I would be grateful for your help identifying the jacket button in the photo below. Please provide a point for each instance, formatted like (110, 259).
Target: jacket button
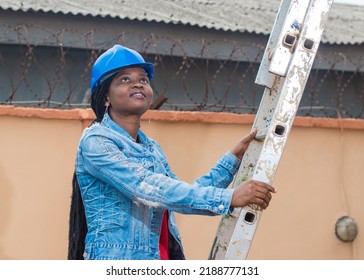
(221, 207)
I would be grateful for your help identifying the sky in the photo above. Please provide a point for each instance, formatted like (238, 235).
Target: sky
(353, 2)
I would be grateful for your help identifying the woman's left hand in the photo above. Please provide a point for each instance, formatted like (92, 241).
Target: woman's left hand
(243, 144)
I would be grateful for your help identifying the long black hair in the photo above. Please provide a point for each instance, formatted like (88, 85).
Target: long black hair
(77, 224)
(77, 219)
(98, 98)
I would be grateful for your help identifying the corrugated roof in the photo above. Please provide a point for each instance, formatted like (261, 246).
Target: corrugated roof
(345, 25)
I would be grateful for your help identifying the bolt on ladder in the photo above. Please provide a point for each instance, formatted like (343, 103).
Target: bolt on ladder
(285, 67)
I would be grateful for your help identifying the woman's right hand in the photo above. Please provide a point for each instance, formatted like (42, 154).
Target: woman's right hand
(239, 149)
(252, 192)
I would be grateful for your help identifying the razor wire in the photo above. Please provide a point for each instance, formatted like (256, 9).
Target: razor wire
(56, 76)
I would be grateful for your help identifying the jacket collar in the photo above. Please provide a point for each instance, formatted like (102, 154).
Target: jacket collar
(108, 122)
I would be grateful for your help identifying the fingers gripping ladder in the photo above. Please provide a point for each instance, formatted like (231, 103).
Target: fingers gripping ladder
(284, 70)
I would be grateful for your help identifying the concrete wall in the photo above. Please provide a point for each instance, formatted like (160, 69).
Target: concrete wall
(318, 181)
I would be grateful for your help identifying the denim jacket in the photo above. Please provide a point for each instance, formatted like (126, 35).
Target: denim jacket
(126, 186)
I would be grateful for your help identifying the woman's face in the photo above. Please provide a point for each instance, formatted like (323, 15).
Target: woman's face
(130, 92)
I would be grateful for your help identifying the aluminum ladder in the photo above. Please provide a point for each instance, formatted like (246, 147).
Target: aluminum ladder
(285, 67)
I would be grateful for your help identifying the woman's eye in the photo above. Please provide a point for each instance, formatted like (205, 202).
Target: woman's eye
(144, 81)
(124, 79)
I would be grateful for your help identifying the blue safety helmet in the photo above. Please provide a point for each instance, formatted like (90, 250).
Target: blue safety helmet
(113, 60)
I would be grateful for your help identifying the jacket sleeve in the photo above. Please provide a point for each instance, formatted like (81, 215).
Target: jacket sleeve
(106, 162)
(219, 176)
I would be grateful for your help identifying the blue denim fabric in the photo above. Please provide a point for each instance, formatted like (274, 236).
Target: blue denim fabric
(126, 186)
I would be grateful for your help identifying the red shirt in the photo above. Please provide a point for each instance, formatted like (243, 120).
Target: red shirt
(163, 240)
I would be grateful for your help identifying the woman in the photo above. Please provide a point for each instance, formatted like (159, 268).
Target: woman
(129, 192)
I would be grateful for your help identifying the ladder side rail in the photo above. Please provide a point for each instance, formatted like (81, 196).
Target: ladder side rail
(262, 121)
(250, 158)
(264, 77)
(288, 37)
(292, 90)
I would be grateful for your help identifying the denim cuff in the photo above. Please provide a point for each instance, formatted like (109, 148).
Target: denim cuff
(230, 162)
(223, 199)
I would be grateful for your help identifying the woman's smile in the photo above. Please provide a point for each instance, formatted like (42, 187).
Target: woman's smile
(138, 95)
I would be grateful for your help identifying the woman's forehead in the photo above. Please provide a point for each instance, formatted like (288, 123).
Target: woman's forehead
(130, 70)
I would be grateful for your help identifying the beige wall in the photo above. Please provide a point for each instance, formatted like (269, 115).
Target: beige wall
(318, 181)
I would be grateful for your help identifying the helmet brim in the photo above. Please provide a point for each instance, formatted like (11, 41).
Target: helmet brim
(147, 66)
